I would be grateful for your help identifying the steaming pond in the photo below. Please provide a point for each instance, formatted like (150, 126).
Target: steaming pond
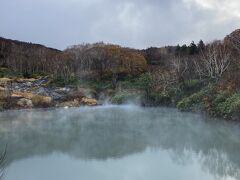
(118, 143)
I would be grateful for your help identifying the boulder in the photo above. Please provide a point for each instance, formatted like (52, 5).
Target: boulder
(25, 103)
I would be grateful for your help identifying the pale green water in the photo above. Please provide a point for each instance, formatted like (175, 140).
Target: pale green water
(118, 143)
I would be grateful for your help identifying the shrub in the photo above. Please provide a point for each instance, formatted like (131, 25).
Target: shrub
(196, 100)
(218, 99)
(188, 102)
(230, 106)
(146, 83)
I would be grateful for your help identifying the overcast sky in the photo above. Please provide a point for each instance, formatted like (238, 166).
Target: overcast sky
(132, 23)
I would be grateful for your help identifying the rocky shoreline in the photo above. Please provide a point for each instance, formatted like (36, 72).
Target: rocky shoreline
(30, 93)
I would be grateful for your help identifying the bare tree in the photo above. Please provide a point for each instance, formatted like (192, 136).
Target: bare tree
(164, 79)
(179, 66)
(215, 60)
(198, 67)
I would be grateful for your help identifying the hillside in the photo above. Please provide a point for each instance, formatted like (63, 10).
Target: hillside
(195, 77)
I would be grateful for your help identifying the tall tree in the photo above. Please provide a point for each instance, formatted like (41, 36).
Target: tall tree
(192, 49)
(201, 45)
(184, 49)
(178, 49)
(216, 59)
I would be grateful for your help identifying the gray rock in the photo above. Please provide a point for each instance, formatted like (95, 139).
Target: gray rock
(25, 103)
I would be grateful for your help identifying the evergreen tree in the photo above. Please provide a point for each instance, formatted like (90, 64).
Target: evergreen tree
(192, 49)
(178, 49)
(184, 49)
(201, 45)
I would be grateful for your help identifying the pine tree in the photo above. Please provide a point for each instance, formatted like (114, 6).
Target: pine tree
(184, 49)
(201, 45)
(178, 49)
(192, 49)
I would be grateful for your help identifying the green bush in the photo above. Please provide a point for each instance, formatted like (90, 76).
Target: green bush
(219, 98)
(221, 103)
(196, 100)
(188, 103)
(146, 83)
(229, 106)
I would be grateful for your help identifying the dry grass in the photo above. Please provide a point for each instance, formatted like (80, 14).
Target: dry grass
(41, 101)
(4, 94)
(26, 95)
(38, 101)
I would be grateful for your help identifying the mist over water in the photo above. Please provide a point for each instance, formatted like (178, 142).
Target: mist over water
(118, 142)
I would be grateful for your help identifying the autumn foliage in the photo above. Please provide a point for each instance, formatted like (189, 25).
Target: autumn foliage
(95, 60)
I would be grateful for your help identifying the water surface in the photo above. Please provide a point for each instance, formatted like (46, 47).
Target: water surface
(118, 143)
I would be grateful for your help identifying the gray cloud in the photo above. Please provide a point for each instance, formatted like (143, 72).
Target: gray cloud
(133, 23)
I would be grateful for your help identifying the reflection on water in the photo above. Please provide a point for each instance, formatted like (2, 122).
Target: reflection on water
(118, 142)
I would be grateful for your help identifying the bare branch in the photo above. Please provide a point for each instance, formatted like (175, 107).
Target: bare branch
(215, 61)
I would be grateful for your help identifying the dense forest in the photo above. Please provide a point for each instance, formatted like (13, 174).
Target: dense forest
(195, 77)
